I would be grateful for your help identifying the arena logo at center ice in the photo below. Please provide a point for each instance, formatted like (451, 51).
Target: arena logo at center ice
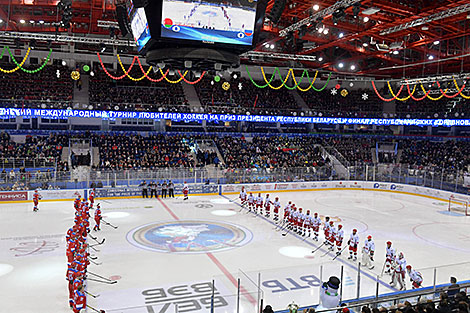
(189, 236)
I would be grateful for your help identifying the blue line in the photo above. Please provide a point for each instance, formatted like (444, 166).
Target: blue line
(315, 246)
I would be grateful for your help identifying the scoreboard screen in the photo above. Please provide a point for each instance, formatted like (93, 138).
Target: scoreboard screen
(228, 22)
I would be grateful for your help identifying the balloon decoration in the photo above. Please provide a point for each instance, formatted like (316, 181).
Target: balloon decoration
(226, 86)
(290, 72)
(426, 92)
(146, 73)
(19, 66)
(344, 92)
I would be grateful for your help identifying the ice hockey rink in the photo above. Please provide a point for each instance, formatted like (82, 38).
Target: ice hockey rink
(158, 261)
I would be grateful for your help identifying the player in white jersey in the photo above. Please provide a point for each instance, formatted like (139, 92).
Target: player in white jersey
(267, 205)
(353, 242)
(277, 206)
(259, 204)
(316, 226)
(308, 224)
(243, 196)
(300, 221)
(339, 239)
(326, 229)
(251, 202)
(399, 273)
(389, 258)
(368, 253)
(287, 210)
(293, 220)
(332, 238)
(415, 277)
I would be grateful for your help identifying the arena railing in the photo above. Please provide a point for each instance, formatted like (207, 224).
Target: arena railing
(433, 177)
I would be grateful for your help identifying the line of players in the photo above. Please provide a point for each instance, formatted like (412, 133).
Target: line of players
(77, 251)
(305, 224)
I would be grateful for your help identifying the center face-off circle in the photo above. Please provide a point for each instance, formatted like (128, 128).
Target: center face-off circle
(189, 236)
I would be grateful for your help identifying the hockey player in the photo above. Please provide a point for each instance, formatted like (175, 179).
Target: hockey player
(242, 196)
(389, 258)
(259, 204)
(353, 242)
(70, 277)
(415, 277)
(399, 273)
(91, 197)
(293, 219)
(185, 191)
(368, 253)
(332, 236)
(267, 205)
(287, 210)
(36, 198)
(277, 206)
(316, 226)
(76, 202)
(308, 221)
(326, 229)
(251, 202)
(80, 300)
(300, 221)
(97, 218)
(339, 239)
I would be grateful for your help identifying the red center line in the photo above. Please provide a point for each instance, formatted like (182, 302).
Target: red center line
(216, 262)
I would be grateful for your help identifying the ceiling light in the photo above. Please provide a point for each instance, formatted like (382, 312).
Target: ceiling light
(64, 63)
(31, 21)
(320, 30)
(431, 57)
(366, 19)
(365, 44)
(266, 44)
(341, 65)
(41, 22)
(22, 21)
(395, 52)
(341, 35)
(1, 21)
(316, 7)
(271, 46)
(436, 42)
(325, 31)
(320, 59)
(353, 67)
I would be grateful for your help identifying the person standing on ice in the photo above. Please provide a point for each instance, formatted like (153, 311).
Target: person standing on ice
(368, 253)
(185, 191)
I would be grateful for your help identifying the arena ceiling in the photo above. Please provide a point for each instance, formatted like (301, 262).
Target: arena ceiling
(379, 38)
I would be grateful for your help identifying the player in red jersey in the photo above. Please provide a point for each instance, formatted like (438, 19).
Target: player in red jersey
(36, 198)
(91, 198)
(97, 218)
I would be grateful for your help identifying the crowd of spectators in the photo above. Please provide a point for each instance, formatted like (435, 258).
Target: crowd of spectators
(270, 152)
(41, 90)
(249, 98)
(144, 95)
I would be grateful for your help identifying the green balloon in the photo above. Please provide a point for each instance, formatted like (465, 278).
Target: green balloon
(86, 68)
(217, 79)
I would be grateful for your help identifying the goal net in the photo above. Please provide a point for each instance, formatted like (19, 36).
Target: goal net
(459, 205)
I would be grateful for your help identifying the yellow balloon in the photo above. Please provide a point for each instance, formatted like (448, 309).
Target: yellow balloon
(226, 86)
(75, 75)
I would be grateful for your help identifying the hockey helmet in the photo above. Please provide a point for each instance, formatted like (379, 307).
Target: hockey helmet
(369, 237)
(294, 208)
(408, 267)
(267, 195)
(389, 243)
(331, 222)
(277, 198)
(327, 218)
(401, 256)
(251, 193)
(316, 214)
(340, 226)
(290, 202)
(354, 231)
(300, 209)
(308, 212)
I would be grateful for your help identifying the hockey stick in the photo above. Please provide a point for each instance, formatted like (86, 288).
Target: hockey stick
(103, 281)
(102, 277)
(327, 252)
(96, 263)
(109, 224)
(234, 199)
(93, 257)
(383, 269)
(99, 243)
(340, 253)
(94, 248)
(285, 234)
(313, 251)
(96, 244)
(99, 311)
(279, 226)
(94, 296)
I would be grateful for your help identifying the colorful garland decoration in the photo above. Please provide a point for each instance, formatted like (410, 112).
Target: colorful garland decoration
(149, 78)
(116, 77)
(194, 82)
(284, 80)
(461, 93)
(30, 71)
(127, 73)
(19, 65)
(174, 81)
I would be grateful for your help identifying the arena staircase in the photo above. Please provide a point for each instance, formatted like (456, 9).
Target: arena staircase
(81, 98)
(191, 95)
(300, 101)
(338, 161)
